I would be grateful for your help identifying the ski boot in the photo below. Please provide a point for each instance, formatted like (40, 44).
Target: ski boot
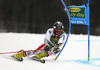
(39, 56)
(19, 55)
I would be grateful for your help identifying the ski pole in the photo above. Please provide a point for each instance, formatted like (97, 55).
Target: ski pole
(20, 51)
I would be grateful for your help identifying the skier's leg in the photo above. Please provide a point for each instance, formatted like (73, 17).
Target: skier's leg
(45, 53)
(23, 53)
(40, 54)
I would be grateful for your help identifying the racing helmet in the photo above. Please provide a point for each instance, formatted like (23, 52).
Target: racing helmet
(58, 26)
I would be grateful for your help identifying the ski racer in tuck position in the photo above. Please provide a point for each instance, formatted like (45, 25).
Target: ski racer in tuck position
(54, 39)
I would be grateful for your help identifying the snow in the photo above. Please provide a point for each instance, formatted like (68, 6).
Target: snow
(73, 57)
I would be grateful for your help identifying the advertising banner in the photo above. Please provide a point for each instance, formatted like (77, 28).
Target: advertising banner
(78, 14)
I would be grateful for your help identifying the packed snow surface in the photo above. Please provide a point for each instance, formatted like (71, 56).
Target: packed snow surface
(73, 57)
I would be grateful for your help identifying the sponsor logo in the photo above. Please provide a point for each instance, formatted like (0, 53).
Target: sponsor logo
(74, 9)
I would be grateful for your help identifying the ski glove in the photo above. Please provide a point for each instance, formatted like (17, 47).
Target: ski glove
(47, 48)
(56, 49)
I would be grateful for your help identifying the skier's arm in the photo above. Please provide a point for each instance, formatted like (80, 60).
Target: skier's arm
(62, 39)
(60, 43)
(46, 40)
(47, 36)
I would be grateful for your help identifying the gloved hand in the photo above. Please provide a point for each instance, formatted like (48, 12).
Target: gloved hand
(56, 49)
(47, 48)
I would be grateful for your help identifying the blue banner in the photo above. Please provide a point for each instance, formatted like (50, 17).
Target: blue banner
(78, 14)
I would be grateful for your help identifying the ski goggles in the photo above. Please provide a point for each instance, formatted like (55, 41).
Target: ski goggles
(59, 30)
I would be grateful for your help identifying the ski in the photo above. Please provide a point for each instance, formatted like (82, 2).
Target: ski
(40, 60)
(36, 59)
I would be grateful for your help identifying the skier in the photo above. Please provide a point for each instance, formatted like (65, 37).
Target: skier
(54, 39)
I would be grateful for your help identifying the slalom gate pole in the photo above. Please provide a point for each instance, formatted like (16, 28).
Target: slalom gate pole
(65, 42)
(88, 42)
(88, 32)
(88, 1)
(68, 32)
